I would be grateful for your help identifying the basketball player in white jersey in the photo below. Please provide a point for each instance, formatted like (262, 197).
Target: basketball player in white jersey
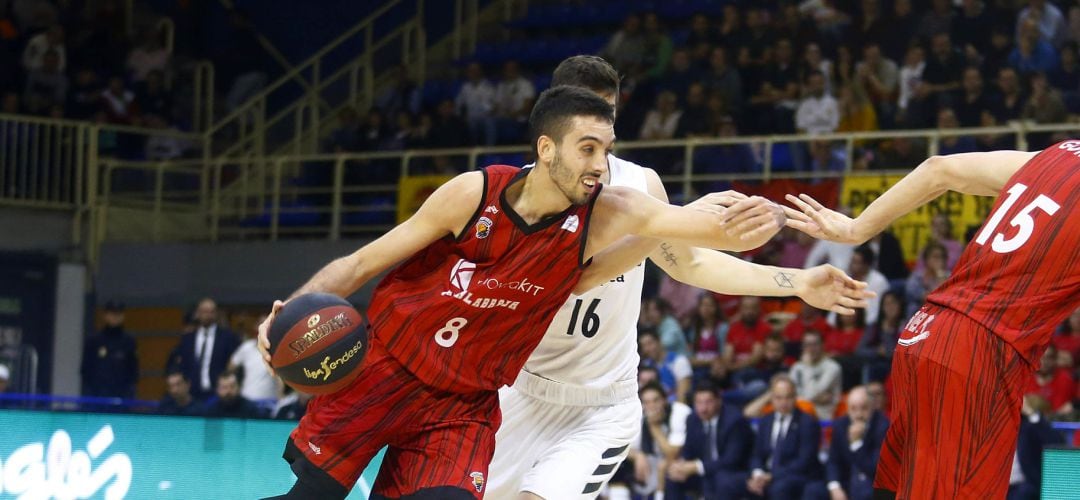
(569, 419)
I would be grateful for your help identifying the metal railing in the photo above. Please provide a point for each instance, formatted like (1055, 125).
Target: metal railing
(349, 194)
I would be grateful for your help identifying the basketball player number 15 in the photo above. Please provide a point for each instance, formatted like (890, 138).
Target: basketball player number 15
(1023, 220)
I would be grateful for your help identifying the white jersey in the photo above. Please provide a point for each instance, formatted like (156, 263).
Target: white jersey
(592, 341)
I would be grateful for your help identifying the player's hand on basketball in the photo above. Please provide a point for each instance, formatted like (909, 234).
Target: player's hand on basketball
(754, 219)
(814, 219)
(826, 287)
(264, 333)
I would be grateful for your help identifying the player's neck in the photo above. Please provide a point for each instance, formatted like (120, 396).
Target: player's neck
(536, 197)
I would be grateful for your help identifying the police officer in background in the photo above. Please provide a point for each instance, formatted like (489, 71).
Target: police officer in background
(110, 365)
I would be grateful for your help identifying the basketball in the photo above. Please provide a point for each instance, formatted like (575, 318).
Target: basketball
(317, 342)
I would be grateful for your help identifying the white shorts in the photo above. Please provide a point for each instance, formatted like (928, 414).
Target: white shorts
(557, 450)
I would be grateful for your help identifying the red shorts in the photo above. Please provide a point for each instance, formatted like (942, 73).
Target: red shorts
(957, 394)
(434, 438)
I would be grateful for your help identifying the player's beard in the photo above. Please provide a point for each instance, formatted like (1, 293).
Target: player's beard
(565, 180)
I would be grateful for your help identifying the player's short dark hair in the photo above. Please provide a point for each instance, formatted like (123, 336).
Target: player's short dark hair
(590, 72)
(557, 107)
(867, 254)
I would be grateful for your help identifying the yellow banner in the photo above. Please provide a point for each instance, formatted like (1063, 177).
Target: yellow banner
(913, 230)
(413, 190)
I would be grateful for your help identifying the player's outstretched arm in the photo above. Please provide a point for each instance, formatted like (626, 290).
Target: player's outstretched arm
(982, 174)
(446, 211)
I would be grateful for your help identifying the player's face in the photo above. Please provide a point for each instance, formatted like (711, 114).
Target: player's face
(581, 158)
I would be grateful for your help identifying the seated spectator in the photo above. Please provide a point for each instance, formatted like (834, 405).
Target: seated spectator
(514, 97)
(1066, 77)
(785, 450)
(1010, 104)
(842, 340)
(825, 158)
(151, 55)
(890, 256)
(862, 268)
(746, 334)
(753, 381)
(84, 98)
(118, 102)
(1035, 434)
(697, 119)
(1048, 19)
(673, 369)
(661, 121)
(345, 137)
(973, 98)
(853, 453)
(724, 79)
(933, 273)
(476, 102)
(879, 339)
(707, 329)
(229, 403)
(658, 47)
(726, 158)
(626, 48)
(662, 436)
(714, 460)
(812, 61)
(401, 95)
(448, 130)
(818, 112)
(952, 144)
(656, 315)
(943, 71)
(827, 252)
(178, 399)
(153, 97)
(259, 385)
(773, 104)
(1052, 382)
(878, 77)
(33, 57)
(1032, 54)
(909, 111)
(680, 75)
(809, 318)
(46, 86)
(817, 377)
(293, 406)
(941, 231)
(1067, 337)
(857, 113)
(996, 55)
(1045, 105)
(937, 20)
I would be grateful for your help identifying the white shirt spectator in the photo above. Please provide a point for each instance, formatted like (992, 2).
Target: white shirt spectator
(876, 282)
(1052, 26)
(35, 51)
(142, 60)
(813, 380)
(258, 383)
(836, 254)
(676, 436)
(476, 100)
(511, 96)
(910, 78)
(658, 127)
(818, 115)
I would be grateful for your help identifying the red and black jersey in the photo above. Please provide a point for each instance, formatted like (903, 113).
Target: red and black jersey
(1020, 276)
(464, 313)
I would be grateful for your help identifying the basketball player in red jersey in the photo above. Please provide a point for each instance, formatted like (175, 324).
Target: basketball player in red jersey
(488, 260)
(962, 360)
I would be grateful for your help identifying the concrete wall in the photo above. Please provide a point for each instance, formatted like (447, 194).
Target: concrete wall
(36, 230)
(171, 274)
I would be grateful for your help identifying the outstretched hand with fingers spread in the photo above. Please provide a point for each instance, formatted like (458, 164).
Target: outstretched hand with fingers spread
(820, 222)
(826, 287)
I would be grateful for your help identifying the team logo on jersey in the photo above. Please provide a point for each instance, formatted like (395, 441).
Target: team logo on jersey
(461, 275)
(483, 227)
(477, 480)
(571, 224)
(491, 210)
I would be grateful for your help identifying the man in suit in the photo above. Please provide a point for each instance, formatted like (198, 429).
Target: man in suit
(203, 354)
(785, 452)
(1035, 434)
(715, 457)
(853, 453)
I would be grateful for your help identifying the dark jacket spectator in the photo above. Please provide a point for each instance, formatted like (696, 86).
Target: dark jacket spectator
(785, 451)
(178, 400)
(717, 450)
(110, 364)
(203, 354)
(229, 403)
(856, 444)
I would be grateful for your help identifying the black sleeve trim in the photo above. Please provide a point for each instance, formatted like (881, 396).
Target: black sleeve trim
(582, 263)
(479, 208)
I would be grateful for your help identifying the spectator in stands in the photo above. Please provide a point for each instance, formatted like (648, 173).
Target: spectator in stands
(791, 24)
(969, 27)
(204, 354)
(1066, 77)
(753, 381)
(993, 142)
(401, 95)
(674, 369)
(1012, 98)
(941, 231)
(896, 40)
(110, 363)
(626, 48)
(933, 272)
(943, 71)
(259, 385)
(229, 403)
(1031, 53)
(751, 44)
(33, 57)
(776, 98)
(862, 268)
(514, 97)
(153, 97)
(879, 339)
(810, 318)
(697, 118)
(973, 99)
(1035, 435)
(374, 133)
(347, 134)
(746, 334)
(661, 121)
(663, 434)
(707, 330)
(1067, 337)
(151, 55)
(817, 376)
(952, 144)
(818, 112)
(701, 32)
(825, 158)
(178, 400)
(879, 76)
(853, 452)
(657, 315)
(680, 75)
(842, 340)
(46, 85)
(293, 406)
(813, 61)
(725, 80)
(118, 102)
(717, 451)
(1054, 383)
(911, 77)
(476, 102)
(84, 99)
(937, 20)
(890, 256)
(827, 252)
(1048, 20)
(448, 130)
(785, 450)
(867, 25)
(1044, 106)
(996, 55)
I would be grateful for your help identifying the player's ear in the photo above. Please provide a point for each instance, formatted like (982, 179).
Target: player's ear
(545, 149)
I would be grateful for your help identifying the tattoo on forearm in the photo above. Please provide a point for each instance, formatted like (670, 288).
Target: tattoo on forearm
(783, 280)
(665, 248)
